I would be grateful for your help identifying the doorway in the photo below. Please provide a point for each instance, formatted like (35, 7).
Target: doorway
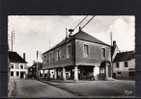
(22, 75)
(103, 71)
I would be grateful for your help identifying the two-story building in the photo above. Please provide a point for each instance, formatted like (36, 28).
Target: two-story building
(124, 65)
(79, 57)
(17, 65)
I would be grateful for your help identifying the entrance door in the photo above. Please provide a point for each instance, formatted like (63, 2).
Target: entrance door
(22, 75)
(102, 75)
(105, 70)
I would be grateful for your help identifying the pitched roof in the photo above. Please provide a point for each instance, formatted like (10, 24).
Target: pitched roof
(79, 35)
(15, 57)
(124, 56)
(85, 36)
(59, 44)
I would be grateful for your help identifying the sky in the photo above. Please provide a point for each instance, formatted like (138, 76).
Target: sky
(41, 33)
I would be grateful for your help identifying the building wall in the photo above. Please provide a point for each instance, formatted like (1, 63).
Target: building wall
(50, 59)
(17, 68)
(122, 72)
(95, 54)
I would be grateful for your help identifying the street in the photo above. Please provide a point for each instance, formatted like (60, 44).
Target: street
(33, 88)
(97, 88)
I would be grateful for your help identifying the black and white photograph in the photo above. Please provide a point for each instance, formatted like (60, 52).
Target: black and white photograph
(71, 56)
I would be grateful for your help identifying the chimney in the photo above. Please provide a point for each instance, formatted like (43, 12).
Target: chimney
(70, 30)
(24, 56)
(66, 33)
(114, 44)
(80, 28)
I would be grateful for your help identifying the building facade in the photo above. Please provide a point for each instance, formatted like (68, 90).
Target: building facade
(17, 66)
(78, 57)
(35, 70)
(124, 65)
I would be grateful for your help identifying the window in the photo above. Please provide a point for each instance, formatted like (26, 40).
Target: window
(51, 58)
(12, 66)
(58, 55)
(117, 65)
(17, 73)
(86, 50)
(119, 73)
(45, 58)
(12, 73)
(68, 51)
(126, 64)
(103, 52)
(21, 66)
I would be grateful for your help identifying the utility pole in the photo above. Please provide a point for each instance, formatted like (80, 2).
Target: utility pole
(12, 40)
(111, 38)
(37, 65)
(111, 53)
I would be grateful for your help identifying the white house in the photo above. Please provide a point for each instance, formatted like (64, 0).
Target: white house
(17, 65)
(124, 65)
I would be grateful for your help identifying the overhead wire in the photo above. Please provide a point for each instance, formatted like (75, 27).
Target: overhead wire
(80, 22)
(87, 22)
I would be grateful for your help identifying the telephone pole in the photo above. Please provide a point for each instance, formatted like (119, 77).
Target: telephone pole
(12, 40)
(111, 53)
(37, 72)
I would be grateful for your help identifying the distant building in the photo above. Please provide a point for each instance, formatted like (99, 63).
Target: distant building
(124, 65)
(32, 72)
(79, 57)
(35, 70)
(17, 65)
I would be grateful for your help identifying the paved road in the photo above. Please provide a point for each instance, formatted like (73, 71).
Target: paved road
(33, 88)
(97, 88)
